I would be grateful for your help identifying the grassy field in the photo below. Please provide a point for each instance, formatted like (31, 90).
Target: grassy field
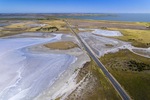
(138, 38)
(95, 85)
(21, 26)
(63, 45)
(136, 82)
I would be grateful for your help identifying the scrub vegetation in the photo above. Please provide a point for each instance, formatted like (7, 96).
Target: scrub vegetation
(48, 29)
(132, 72)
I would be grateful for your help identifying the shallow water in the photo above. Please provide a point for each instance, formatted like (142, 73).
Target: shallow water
(141, 17)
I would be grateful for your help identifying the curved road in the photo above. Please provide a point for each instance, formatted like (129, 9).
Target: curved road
(113, 81)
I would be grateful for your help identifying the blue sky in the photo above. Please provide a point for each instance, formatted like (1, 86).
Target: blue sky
(74, 6)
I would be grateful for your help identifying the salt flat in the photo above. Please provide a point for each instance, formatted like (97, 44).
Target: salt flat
(24, 75)
(101, 43)
(106, 32)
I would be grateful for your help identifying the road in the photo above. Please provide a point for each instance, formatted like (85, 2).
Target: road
(113, 81)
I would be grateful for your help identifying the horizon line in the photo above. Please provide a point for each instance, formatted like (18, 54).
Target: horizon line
(78, 13)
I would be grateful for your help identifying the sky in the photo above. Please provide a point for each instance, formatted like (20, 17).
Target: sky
(74, 6)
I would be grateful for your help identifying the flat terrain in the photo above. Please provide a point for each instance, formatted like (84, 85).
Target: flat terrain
(89, 83)
(32, 71)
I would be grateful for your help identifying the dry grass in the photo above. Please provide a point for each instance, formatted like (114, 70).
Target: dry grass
(95, 85)
(63, 45)
(107, 24)
(135, 83)
(19, 25)
(138, 38)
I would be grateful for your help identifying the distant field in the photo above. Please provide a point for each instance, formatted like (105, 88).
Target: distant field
(134, 32)
(108, 24)
(20, 26)
(137, 33)
(132, 72)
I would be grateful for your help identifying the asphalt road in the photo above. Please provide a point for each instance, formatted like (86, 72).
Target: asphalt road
(113, 81)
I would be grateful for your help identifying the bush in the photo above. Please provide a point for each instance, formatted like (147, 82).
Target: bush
(138, 66)
(51, 29)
